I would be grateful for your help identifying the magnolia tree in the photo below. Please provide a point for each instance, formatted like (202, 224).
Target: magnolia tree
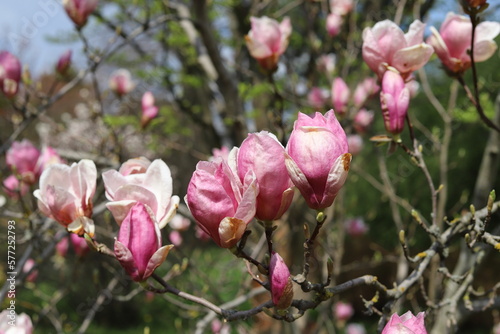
(255, 166)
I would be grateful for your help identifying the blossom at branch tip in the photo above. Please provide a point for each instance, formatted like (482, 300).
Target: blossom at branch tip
(385, 45)
(149, 110)
(452, 43)
(22, 321)
(10, 74)
(394, 101)
(149, 184)
(66, 193)
(340, 96)
(22, 158)
(267, 40)
(405, 324)
(343, 311)
(281, 282)
(333, 24)
(262, 155)
(220, 203)
(317, 159)
(79, 10)
(120, 82)
(138, 245)
(362, 120)
(341, 7)
(64, 63)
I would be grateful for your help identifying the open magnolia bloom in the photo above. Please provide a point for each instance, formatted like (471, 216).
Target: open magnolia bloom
(148, 184)
(221, 205)
(405, 324)
(453, 41)
(263, 155)
(386, 45)
(65, 195)
(138, 246)
(317, 159)
(267, 40)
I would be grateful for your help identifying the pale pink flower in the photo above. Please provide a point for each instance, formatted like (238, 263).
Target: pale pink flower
(341, 7)
(13, 188)
(386, 45)
(340, 96)
(267, 40)
(22, 158)
(262, 155)
(394, 100)
(453, 41)
(134, 166)
(149, 110)
(179, 223)
(27, 268)
(364, 90)
(355, 144)
(152, 187)
(318, 97)
(326, 63)
(362, 120)
(281, 282)
(221, 205)
(48, 157)
(356, 227)
(220, 328)
(64, 63)
(79, 10)
(120, 82)
(23, 323)
(66, 193)
(317, 159)
(405, 324)
(343, 311)
(10, 73)
(333, 24)
(138, 246)
(175, 238)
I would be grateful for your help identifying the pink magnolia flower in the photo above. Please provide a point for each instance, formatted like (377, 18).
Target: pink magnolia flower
(394, 100)
(48, 157)
(355, 329)
(453, 41)
(79, 10)
(355, 144)
(219, 203)
(362, 120)
(22, 158)
(149, 110)
(407, 324)
(317, 159)
(281, 282)
(23, 323)
(222, 152)
(356, 227)
(340, 96)
(10, 73)
(175, 238)
(364, 90)
(318, 97)
(341, 7)
(333, 24)
(27, 268)
(152, 188)
(179, 223)
(120, 82)
(64, 63)
(386, 45)
(138, 246)
(326, 63)
(262, 155)
(78, 243)
(267, 40)
(65, 195)
(134, 166)
(14, 188)
(343, 311)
